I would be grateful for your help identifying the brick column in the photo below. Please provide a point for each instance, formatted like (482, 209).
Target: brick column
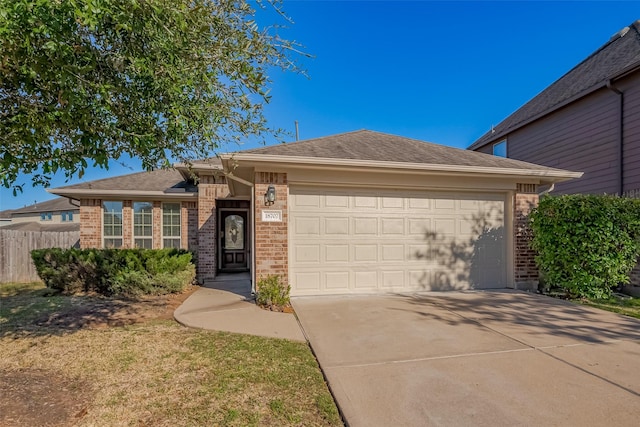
(210, 188)
(272, 238)
(156, 214)
(127, 224)
(189, 215)
(90, 223)
(525, 270)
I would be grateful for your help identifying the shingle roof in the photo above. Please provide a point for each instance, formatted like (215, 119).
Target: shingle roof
(36, 226)
(54, 205)
(616, 57)
(157, 180)
(368, 145)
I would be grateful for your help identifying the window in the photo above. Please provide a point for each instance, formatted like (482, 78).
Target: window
(171, 225)
(46, 216)
(112, 224)
(143, 225)
(500, 148)
(67, 216)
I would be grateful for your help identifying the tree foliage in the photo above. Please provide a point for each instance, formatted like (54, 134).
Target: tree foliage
(586, 244)
(92, 80)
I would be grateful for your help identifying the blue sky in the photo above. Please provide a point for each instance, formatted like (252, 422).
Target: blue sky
(443, 72)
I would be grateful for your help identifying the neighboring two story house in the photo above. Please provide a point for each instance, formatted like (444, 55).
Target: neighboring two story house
(59, 214)
(588, 120)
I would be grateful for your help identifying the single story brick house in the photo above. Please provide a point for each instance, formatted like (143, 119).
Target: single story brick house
(359, 212)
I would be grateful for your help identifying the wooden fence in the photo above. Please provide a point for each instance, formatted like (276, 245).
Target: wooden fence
(15, 251)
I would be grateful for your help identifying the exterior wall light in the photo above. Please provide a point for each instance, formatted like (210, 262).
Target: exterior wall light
(270, 195)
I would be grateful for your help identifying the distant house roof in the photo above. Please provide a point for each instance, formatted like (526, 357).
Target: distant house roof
(617, 57)
(162, 181)
(377, 147)
(6, 214)
(59, 204)
(36, 226)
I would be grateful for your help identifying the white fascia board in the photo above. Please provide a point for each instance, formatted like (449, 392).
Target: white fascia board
(545, 175)
(77, 193)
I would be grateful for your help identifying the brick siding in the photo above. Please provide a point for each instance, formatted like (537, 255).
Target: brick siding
(90, 223)
(210, 188)
(525, 270)
(272, 238)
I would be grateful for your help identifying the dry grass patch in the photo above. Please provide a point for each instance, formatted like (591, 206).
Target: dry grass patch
(151, 373)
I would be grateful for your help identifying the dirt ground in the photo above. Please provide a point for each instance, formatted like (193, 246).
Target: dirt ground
(24, 393)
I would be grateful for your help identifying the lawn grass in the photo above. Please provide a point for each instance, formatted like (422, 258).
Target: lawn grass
(158, 372)
(627, 306)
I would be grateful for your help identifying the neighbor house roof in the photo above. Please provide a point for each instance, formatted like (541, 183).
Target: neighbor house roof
(619, 56)
(59, 204)
(37, 226)
(374, 149)
(163, 181)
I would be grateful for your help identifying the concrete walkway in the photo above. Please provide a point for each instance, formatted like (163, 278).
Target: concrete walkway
(501, 358)
(226, 304)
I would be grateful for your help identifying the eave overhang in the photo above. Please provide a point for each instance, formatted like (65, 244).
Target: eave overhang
(543, 176)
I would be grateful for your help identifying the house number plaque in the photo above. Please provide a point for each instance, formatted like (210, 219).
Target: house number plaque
(271, 216)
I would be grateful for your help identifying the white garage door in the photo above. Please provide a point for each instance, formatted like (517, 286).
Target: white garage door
(346, 241)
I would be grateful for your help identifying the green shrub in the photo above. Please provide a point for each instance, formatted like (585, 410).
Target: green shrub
(272, 292)
(131, 272)
(586, 244)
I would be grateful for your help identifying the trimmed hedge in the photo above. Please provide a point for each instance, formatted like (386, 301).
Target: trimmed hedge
(128, 272)
(586, 244)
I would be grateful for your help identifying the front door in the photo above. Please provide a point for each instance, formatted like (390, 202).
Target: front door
(233, 240)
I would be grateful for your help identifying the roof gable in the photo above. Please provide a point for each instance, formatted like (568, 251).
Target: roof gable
(618, 56)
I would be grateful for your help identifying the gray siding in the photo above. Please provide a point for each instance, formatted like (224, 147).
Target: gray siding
(580, 137)
(583, 136)
(631, 89)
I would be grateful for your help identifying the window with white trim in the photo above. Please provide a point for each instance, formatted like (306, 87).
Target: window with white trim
(46, 216)
(171, 225)
(66, 216)
(500, 148)
(112, 224)
(143, 225)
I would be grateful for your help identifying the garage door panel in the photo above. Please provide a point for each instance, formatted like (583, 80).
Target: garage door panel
(419, 203)
(305, 254)
(365, 253)
(392, 226)
(337, 280)
(366, 202)
(336, 253)
(370, 241)
(336, 226)
(393, 279)
(365, 226)
(332, 201)
(308, 282)
(392, 203)
(366, 280)
(419, 227)
(393, 252)
(307, 226)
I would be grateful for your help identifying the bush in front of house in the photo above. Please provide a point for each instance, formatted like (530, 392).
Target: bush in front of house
(127, 272)
(586, 244)
(272, 293)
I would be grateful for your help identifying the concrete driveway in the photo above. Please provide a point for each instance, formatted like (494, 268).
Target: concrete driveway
(475, 358)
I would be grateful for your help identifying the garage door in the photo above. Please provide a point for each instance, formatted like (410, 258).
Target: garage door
(345, 241)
